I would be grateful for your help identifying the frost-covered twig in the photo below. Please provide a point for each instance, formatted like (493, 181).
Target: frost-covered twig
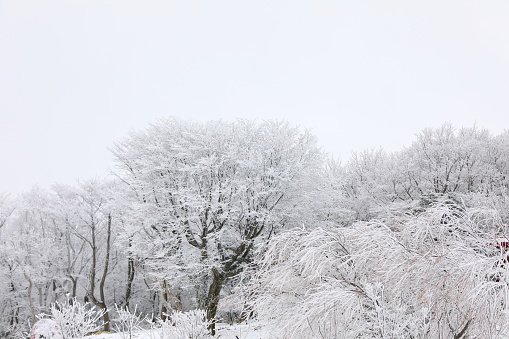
(128, 322)
(76, 319)
(189, 325)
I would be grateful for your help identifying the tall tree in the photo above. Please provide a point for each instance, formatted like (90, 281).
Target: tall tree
(30, 251)
(213, 191)
(86, 211)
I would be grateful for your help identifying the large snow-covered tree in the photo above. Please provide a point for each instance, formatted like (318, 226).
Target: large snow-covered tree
(207, 193)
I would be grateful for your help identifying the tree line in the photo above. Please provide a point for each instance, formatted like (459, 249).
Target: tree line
(218, 215)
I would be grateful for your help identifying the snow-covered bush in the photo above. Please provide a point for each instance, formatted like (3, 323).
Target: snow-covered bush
(46, 329)
(437, 275)
(128, 322)
(185, 325)
(76, 319)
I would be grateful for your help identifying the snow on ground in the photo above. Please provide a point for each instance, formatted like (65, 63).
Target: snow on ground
(252, 330)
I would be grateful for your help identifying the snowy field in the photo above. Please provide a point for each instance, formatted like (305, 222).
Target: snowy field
(224, 331)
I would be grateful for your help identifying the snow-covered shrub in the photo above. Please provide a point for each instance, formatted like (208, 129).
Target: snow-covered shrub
(76, 319)
(46, 329)
(185, 325)
(15, 331)
(128, 322)
(437, 275)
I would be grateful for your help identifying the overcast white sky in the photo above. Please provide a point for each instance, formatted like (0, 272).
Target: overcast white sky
(77, 75)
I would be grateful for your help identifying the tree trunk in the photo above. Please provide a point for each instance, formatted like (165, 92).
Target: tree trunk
(107, 325)
(463, 332)
(106, 316)
(102, 303)
(74, 287)
(168, 296)
(130, 279)
(164, 305)
(106, 319)
(30, 301)
(213, 298)
(175, 302)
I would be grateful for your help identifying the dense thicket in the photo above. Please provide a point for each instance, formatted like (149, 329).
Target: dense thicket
(439, 274)
(252, 218)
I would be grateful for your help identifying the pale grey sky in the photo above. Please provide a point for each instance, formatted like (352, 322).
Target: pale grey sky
(77, 75)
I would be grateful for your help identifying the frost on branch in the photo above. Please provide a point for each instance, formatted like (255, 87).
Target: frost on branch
(192, 325)
(127, 322)
(437, 275)
(75, 319)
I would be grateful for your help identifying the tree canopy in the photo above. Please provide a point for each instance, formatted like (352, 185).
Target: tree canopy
(246, 218)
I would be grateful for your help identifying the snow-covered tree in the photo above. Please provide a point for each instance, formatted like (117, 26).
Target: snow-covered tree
(31, 247)
(207, 193)
(86, 212)
(7, 207)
